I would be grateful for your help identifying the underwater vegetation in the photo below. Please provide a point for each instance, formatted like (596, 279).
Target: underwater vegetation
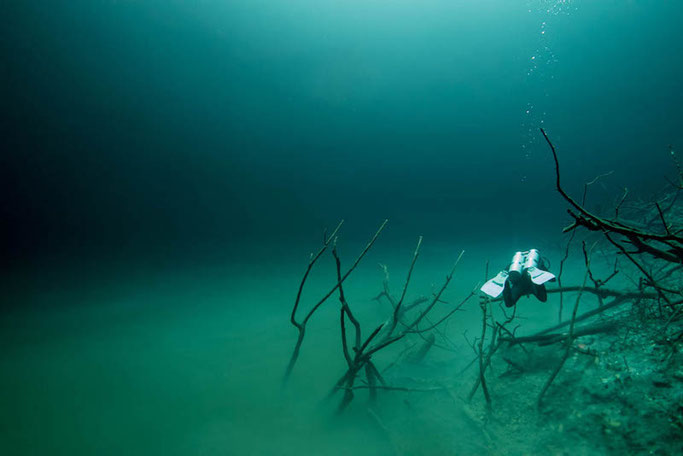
(609, 380)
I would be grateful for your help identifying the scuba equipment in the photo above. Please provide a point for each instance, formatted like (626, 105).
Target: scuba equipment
(525, 275)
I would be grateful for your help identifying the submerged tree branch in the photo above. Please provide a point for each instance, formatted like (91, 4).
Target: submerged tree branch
(301, 326)
(570, 337)
(593, 222)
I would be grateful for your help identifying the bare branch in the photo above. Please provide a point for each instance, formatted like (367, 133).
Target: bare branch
(397, 308)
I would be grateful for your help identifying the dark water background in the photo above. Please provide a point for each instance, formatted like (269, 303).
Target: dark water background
(136, 128)
(166, 162)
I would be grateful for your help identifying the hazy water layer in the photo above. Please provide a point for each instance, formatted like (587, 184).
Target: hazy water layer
(168, 166)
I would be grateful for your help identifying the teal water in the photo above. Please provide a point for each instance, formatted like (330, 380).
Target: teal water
(169, 166)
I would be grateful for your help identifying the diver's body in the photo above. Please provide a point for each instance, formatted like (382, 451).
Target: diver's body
(526, 275)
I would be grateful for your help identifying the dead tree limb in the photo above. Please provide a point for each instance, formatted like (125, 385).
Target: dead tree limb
(570, 337)
(602, 292)
(551, 338)
(399, 325)
(482, 378)
(301, 325)
(671, 248)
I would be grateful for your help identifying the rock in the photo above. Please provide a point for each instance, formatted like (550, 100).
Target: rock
(679, 373)
(661, 382)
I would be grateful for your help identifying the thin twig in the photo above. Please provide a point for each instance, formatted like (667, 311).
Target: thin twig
(482, 378)
(437, 296)
(570, 337)
(397, 309)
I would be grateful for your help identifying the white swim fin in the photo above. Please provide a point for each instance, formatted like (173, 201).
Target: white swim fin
(539, 276)
(494, 287)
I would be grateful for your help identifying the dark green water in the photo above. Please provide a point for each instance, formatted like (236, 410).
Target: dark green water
(169, 165)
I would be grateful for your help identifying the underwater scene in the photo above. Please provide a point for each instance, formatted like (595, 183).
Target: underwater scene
(368, 228)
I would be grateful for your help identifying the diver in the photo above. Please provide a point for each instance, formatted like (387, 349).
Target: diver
(526, 275)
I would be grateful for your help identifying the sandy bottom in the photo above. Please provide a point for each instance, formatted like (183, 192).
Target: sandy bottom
(190, 360)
